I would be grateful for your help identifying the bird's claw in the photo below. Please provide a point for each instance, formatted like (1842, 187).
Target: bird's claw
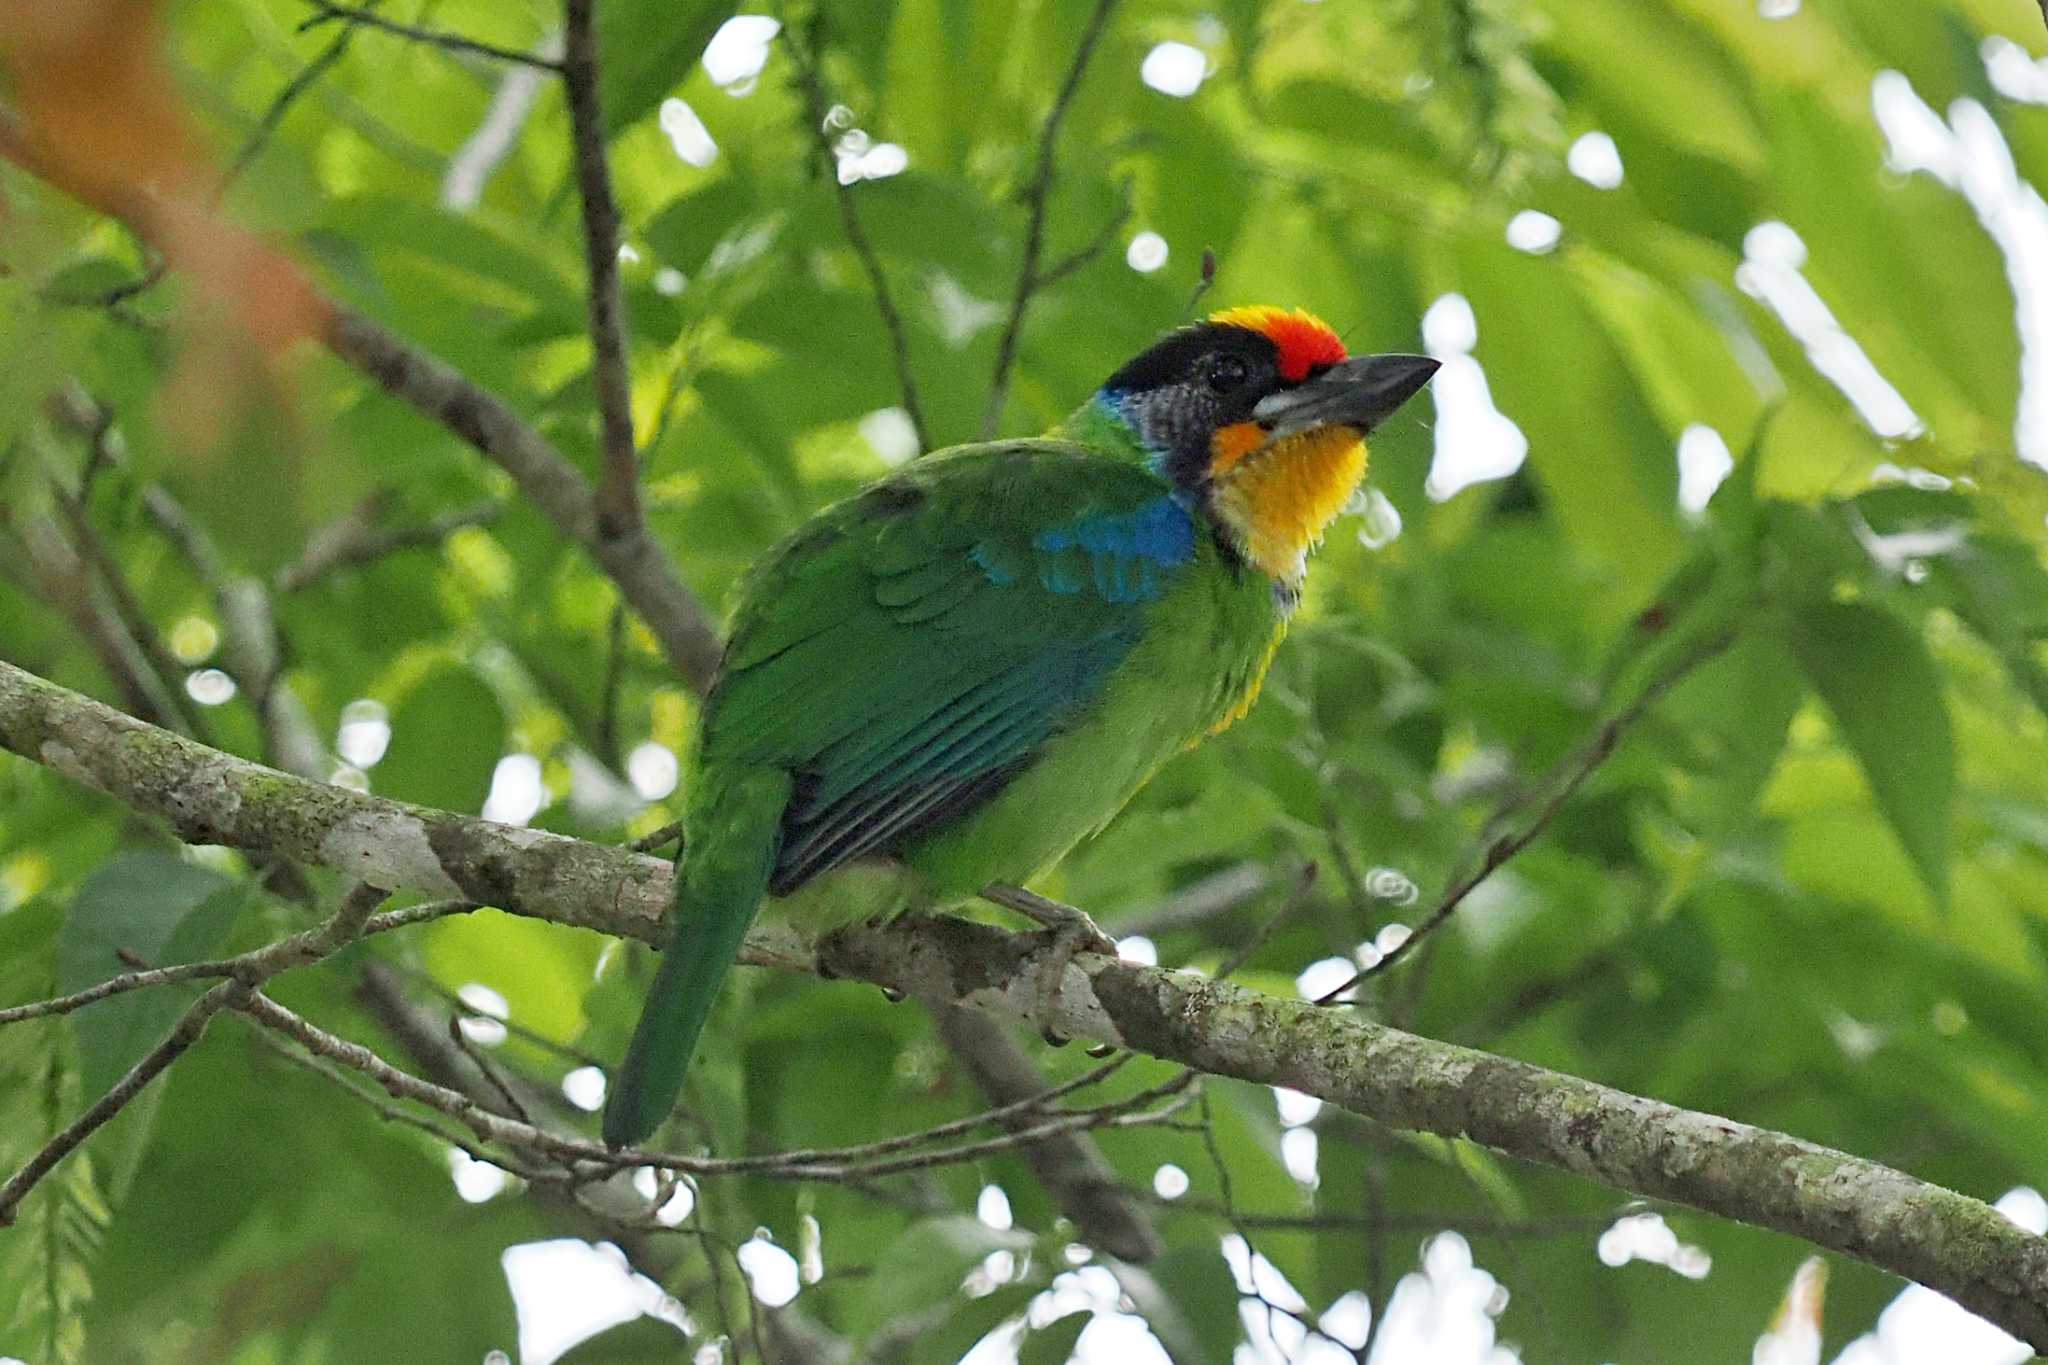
(1066, 940)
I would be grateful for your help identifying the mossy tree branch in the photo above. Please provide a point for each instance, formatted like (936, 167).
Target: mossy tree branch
(1947, 1241)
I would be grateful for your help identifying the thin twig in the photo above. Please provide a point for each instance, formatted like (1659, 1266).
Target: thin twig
(253, 652)
(388, 920)
(355, 539)
(1204, 281)
(253, 145)
(190, 1026)
(326, 13)
(618, 493)
(1564, 784)
(129, 611)
(118, 985)
(385, 1109)
(60, 578)
(867, 1161)
(955, 1127)
(464, 1010)
(297, 950)
(1104, 236)
(816, 108)
(608, 695)
(1219, 893)
(341, 927)
(1036, 195)
(486, 1068)
(1297, 896)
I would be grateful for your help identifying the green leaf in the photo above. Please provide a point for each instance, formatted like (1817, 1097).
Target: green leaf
(1189, 1300)
(447, 736)
(161, 910)
(154, 908)
(1879, 681)
(691, 226)
(649, 50)
(2000, 591)
(926, 1265)
(1734, 714)
(643, 1341)
(973, 1320)
(503, 268)
(1053, 1344)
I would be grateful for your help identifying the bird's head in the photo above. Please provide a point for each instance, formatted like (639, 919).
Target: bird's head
(1259, 417)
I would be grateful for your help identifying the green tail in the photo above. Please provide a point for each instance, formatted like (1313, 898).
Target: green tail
(735, 831)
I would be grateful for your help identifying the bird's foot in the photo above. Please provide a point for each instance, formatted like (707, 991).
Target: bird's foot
(1087, 935)
(1070, 931)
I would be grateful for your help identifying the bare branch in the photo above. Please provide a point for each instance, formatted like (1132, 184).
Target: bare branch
(1036, 195)
(364, 17)
(583, 1158)
(118, 985)
(618, 496)
(817, 107)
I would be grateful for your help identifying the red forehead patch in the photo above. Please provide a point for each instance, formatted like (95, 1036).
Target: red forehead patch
(1305, 340)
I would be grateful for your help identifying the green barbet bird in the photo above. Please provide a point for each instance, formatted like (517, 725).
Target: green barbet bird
(954, 676)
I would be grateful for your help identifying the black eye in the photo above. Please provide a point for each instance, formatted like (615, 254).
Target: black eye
(1224, 372)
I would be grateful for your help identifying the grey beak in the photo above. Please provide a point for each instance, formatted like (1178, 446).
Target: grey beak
(1360, 393)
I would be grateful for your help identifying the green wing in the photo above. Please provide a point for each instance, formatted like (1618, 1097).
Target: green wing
(910, 650)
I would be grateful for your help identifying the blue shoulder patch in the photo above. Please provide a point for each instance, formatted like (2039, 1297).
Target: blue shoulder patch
(1119, 554)
(997, 561)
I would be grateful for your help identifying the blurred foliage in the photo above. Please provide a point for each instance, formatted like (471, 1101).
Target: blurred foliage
(1809, 891)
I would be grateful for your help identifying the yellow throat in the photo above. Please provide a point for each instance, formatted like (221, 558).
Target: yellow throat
(1279, 500)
